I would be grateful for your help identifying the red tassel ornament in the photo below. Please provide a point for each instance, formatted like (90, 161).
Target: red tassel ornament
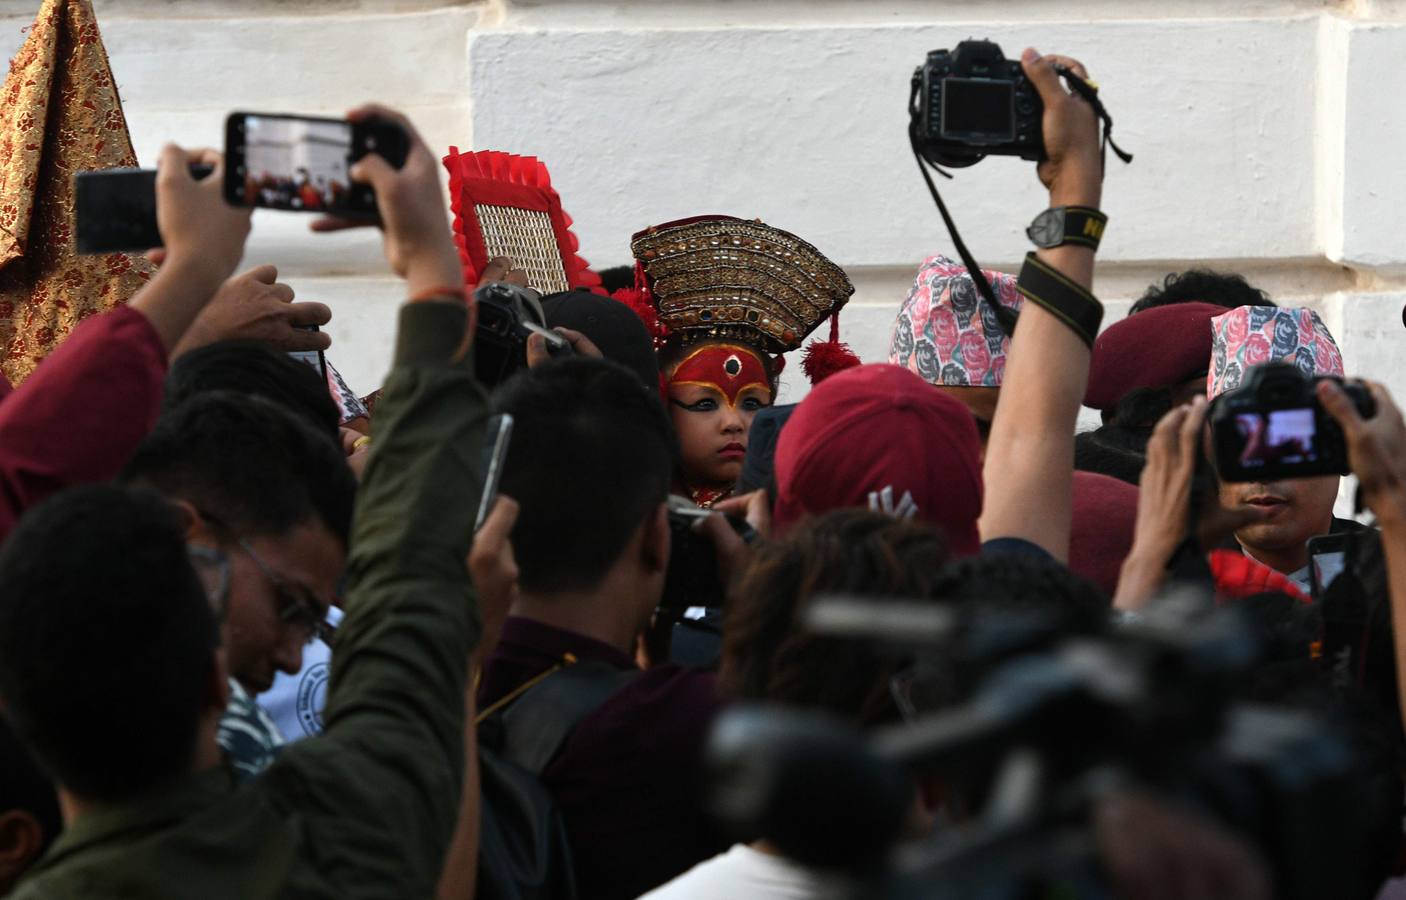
(824, 358)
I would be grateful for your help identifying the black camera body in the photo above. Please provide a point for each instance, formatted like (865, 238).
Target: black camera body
(972, 102)
(507, 316)
(1272, 426)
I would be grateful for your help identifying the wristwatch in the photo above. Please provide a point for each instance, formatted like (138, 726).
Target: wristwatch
(1062, 225)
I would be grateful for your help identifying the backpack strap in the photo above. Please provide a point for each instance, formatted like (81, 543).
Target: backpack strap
(535, 725)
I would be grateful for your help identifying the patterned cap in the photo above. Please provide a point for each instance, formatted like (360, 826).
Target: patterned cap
(718, 277)
(1249, 336)
(946, 334)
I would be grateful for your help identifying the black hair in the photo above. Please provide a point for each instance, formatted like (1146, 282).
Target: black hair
(767, 652)
(612, 326)
(107, 640)
(616, 278)
(589, 461)
(248, 367)
(1094, 452)
(24, 786)
(1202, 286)
(255, 466)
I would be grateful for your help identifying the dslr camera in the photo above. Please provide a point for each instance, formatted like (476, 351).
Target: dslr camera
(507, 316)
(1272, 426)
(970, 102)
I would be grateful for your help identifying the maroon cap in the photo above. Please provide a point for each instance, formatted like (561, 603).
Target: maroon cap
(1105, 513)
(1157, 348)
(880, 437)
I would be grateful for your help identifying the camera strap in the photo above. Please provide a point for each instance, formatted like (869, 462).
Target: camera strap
(1073, 311)
(1067, 301)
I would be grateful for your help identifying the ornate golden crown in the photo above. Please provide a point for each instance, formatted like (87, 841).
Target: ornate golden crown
(722, 277)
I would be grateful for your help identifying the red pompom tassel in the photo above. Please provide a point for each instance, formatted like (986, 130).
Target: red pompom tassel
(825, 358)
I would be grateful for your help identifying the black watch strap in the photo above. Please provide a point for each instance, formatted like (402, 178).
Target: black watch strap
(1079, 225)
(1067, 301)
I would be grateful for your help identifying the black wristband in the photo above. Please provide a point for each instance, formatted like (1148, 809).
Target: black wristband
(1084, 226)
(1052, 290)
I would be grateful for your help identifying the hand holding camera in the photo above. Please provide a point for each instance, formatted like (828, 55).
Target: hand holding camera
(1273, 427)
(1376, 445)
(198, 229)
(1073, 167)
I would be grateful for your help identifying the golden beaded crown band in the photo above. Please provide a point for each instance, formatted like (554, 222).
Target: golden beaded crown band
(722, 277)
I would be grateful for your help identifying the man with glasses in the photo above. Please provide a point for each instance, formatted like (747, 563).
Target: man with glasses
(110, 660)
(274, 497)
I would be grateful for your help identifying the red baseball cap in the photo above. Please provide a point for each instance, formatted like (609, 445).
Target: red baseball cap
(1158, 348)
(878, 436)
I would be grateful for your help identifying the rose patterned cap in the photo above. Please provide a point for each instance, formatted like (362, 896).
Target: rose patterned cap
(1249, 336)
(945, 334)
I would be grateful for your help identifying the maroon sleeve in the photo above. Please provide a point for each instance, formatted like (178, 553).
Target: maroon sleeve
(82, 412)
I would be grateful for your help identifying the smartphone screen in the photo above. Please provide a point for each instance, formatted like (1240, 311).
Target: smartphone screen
(313, 358)
(295, 164)
(495, 454)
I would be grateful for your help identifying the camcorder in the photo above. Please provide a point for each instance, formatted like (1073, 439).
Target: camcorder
(507, 316)
(1272, 427)
(971, 102)
(1046, 729)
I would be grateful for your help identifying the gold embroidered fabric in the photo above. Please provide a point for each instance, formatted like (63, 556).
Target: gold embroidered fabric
(59, 115)
(718, 277)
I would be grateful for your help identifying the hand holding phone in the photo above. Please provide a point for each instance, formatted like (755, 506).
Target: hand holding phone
(410, 202)
(197, 226)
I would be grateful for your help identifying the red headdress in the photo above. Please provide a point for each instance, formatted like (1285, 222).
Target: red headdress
(504, 205)
(726, 279)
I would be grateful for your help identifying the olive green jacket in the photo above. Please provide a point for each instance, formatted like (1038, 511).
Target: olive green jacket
(368, 808)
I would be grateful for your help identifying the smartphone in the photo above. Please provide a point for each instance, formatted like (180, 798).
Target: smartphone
(114, 210)
(299, 163)
(495, 454)
(313, 358)
(1327, 556)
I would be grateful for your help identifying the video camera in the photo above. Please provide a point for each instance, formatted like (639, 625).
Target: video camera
(507, 316)
(1146, 703)
(1273, 427)
(970, 102)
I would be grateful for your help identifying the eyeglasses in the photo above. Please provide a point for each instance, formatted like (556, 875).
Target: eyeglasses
(296, 608)
(212, 568)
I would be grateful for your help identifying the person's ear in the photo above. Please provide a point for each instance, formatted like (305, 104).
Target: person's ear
(194, 526)
(21, 839)
(654, 543)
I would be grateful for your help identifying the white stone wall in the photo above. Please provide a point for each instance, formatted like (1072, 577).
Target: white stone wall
(1268, 133)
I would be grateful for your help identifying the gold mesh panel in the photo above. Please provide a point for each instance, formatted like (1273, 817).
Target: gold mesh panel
(525, 236)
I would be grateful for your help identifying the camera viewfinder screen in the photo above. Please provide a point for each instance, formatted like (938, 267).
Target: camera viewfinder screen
(296, 163)
(1279, 436)
(979, 108)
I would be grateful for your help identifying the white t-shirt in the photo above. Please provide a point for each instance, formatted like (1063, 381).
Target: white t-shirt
(295, 702)
(742, 872)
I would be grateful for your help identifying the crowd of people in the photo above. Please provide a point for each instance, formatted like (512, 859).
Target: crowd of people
(252, 645)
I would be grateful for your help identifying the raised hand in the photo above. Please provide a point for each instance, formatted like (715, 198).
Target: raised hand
(255, 305)
(412, 209)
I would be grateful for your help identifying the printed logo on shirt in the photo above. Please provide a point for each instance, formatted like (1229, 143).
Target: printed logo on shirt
(882, 502)
(312, 698)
